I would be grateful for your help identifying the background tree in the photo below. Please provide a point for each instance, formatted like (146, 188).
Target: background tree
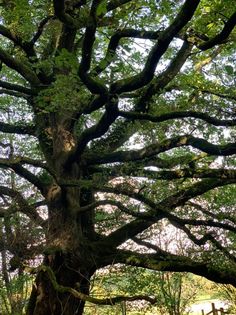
(174, 292)
(228, 293)
(81, 83)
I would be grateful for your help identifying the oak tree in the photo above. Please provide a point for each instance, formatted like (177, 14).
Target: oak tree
(116, 116)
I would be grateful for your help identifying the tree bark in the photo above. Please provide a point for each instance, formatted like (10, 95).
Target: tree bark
(68, 256)
(69, 272)
(67, 253)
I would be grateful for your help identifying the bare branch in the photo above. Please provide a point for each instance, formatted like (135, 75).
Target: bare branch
(221, 216)
(181, 223)
(156, 248)
(112, 202)
(204, 239)
(222, 95)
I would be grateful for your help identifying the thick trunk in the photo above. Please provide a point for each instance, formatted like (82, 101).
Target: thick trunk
(69, 272)
(70, 232)
(68, 255)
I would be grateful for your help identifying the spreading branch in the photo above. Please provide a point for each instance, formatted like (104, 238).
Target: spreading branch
(25, 46)
(127, 129)
(23, 205)
(114, 43)
(221, 216)
(97, 130)
(222, 36)
(114, 4)
(20, 160)
(59, 9)
(18, 129)
(207, 237)
(111, 202)
(94, 85)
(139, 171)
(84, 297)
(20, 67)
(163, 79)
(13, 93)
(165, 145)
(16, 165)
(158, 211)
(16, 87)
(178, 115)
(165, 38)
(175, 263)
(40, 29)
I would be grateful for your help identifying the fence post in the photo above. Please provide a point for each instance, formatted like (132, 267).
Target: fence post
(214, 311)
(123, 307)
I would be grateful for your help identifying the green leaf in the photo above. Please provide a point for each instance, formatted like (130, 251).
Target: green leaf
(102, 9)
(229, 69)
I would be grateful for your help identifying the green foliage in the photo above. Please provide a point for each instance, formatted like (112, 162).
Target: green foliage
(174, 292)
(17, 15)
(228, 293)
(14, 297)
(102, 10)
(114, 135)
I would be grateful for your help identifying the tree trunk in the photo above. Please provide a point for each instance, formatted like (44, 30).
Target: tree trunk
(68, 254)
(45, 300)
(70, 231)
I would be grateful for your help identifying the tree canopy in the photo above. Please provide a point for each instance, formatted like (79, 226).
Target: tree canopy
(117, 123)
